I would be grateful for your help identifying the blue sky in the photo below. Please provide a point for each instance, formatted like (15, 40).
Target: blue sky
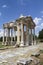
(12, 9)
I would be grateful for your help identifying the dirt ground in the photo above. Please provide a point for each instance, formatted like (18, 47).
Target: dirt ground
(41, 53)
(10, 56)
(41, 59)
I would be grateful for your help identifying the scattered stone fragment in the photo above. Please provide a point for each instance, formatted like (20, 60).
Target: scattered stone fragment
(21, 62)
(35, 54)
(36, 61)
(24, 61)
(4, 61)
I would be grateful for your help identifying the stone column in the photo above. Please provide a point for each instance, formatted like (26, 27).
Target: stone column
(11, 36)
(27, 36)
(31, 37)
(3, 36)
(6, 36)
(34, 37)
(18, 34)
(8, 32)
(14, 33)
(22, 34)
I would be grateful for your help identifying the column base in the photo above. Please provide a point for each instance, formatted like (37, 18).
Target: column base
(17, 44)
(11, 43)
(3, 43)
(22, 43)
(34, 42)
(27, 43)
(6, 43)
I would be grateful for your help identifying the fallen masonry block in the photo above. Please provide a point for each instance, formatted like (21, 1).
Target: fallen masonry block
(24, 61)
(4, 61)
(21, 62)
(36, 61)
(29, 61)
(41, 51)
(35, 54)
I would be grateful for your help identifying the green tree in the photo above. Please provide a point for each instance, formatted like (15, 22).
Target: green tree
(40, 34)
(1, 39)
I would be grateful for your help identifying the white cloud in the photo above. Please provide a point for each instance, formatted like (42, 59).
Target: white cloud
(37, 20)
(4, 6)
(0, 13)
(41, 25)
(38, 25)
(1, 32)
(38, 28)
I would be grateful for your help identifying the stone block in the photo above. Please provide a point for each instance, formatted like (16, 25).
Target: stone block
(24, 61)
(35, 54)
(35, 61)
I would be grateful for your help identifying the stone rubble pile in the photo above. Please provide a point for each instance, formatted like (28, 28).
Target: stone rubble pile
(29, 61)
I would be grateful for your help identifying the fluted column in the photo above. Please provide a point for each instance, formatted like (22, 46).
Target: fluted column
(34, 37)
(6, 36)
(18, 34)
(11, 36)
(22, 35)
(27, 35)
(3, 36)
(31, 37)
(8, 32)
(14, 33)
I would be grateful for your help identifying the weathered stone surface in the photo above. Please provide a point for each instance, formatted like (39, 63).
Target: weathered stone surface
(15, 54)
(35, 61)
(24, 61)
(36, 54)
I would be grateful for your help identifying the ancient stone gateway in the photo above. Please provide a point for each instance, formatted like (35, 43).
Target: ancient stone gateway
(19, 32)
